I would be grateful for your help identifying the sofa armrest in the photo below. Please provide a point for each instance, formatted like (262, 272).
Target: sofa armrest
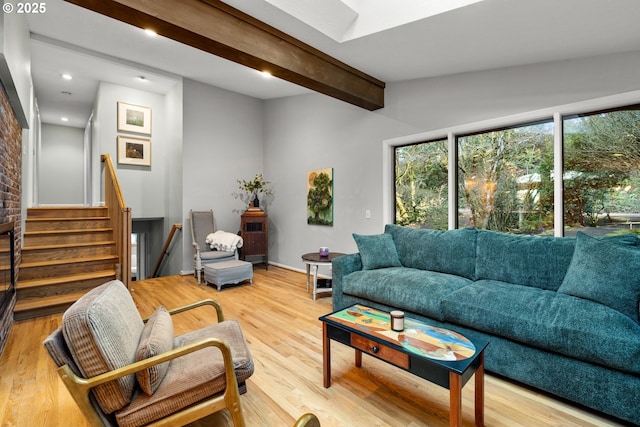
(340, 267)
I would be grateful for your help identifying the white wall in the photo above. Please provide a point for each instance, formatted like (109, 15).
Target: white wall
(15, 64)
(143, 188)
(222, 142)
(154, 193)
(61, 174)
(446, 101)
(313, 131)
(173, 179)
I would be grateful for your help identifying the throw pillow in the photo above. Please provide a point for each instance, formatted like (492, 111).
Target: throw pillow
(157, 338)
(606, 273)
(377, 251)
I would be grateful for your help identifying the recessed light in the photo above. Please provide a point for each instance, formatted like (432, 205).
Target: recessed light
(67, 76)
(64, 119)
(150, 32)
(143, 79)
(266, 74)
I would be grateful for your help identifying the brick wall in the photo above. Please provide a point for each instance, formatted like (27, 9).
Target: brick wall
(10, 191)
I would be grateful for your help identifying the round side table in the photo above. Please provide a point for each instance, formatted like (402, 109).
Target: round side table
(313, 261)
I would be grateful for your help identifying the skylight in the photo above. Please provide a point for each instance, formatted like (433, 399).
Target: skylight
(345, 20)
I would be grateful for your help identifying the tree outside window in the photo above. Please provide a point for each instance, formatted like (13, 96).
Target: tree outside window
(602, 172)
(505, 179)
(421, 185)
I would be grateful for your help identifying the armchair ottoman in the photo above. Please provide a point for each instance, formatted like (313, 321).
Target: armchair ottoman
(228, 272)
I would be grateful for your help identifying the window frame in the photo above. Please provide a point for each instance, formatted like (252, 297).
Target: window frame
(556, 114)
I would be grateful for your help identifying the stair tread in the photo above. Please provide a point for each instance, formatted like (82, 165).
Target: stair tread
(67, 261)
(55, 280)
(67, 207)
(48, 301)
(60, 274)
(61, 218)
(51, 285)
(68, 245)
(72, 231)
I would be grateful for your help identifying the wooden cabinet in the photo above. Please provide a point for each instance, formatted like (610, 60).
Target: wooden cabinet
(254, 229)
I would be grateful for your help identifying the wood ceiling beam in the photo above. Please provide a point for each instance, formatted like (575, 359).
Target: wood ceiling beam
(217, 28)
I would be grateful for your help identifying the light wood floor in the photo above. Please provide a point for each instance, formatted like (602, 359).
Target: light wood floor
(280, 321)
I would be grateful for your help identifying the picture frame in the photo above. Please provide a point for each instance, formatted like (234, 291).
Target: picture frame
(134, 151)
(134, 118)
(320, 197)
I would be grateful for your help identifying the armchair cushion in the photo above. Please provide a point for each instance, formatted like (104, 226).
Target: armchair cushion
(157, 338)
(102, 330)
(207, 256)
(192, 377)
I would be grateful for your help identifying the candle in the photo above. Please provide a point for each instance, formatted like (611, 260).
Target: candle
(397, 320)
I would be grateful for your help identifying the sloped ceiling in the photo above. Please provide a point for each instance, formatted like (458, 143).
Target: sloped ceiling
(385, 43)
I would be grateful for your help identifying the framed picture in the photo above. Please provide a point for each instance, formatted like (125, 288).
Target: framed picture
(320, 197)
(134, 151)
(134, 118)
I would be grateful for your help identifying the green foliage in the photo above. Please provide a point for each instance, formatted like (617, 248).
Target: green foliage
(602, 151)
(506, 177)
(422, 185)
(256, 186)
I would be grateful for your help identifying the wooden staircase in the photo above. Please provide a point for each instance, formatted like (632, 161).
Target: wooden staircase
(66, 252)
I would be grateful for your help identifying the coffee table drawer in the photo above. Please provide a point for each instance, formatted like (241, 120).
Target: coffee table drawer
(385, 353)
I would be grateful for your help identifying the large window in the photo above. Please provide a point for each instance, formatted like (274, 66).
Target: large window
(556, 176)
(602, 172)
(421, 172)
(505, 179)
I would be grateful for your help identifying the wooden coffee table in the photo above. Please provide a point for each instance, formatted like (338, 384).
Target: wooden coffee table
(441, 356)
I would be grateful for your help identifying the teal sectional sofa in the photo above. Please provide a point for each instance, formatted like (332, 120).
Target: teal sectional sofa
(561, 314)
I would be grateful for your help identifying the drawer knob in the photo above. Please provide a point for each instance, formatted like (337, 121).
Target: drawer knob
(375, 349)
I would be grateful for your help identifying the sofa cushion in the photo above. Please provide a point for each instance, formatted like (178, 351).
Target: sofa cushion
(377, 251)
(157, 338)
(559, 323)
(445, 251)
(102, 330)
(409, 289)
(192, 377)
(538, 261)
(606, 273)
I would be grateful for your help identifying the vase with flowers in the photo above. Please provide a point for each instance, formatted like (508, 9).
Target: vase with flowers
(254, 189)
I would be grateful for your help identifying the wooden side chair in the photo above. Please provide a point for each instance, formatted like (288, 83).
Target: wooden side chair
(125, 371)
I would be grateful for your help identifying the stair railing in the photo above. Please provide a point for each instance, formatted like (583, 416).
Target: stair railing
(165, 249)
(120, 218)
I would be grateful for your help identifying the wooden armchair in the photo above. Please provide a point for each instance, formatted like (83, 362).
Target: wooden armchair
(307, 420)
(116, 366)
